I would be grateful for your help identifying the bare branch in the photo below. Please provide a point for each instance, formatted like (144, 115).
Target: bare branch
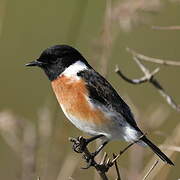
(150, 170)
(136, 81)
(116, 166)
(166, 27)
(149, 77)
(103, 160)
(153, 60)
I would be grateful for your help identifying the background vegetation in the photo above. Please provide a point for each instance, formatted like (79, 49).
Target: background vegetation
(34, 132)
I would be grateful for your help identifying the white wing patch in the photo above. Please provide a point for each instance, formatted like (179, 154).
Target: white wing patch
(130, 133)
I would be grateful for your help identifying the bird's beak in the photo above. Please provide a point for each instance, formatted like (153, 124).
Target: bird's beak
(35, 63)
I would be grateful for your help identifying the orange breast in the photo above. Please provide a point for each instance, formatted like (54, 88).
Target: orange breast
(71, 94)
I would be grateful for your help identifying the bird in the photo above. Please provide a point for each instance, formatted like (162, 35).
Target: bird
(89, 101)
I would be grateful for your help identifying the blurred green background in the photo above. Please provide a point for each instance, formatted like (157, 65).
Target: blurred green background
(28, 27)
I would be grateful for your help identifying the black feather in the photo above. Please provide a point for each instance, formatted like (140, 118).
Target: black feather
(101, 92)
(156, 150)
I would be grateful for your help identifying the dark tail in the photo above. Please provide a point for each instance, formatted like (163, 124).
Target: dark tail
(157, 150)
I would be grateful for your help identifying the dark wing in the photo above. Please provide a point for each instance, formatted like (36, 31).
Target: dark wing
(101, 92)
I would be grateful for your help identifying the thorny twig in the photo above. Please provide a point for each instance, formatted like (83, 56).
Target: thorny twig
(148, 77)
(150, 170)
(80, 146)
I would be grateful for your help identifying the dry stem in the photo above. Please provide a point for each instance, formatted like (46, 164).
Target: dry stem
(148, 77)
(116, 166)
(150, 170)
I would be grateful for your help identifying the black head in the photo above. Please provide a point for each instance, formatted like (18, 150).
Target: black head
(56, 59)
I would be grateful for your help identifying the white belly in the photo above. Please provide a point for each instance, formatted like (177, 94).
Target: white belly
(117, 129)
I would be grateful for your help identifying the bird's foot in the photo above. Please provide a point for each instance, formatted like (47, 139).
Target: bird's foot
(79, 144)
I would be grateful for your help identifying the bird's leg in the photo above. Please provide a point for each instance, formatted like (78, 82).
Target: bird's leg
(99, 149)
(80, 146)
(90, 158)
(93, 138)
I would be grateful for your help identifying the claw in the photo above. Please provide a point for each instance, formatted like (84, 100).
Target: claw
(79, 144)
(76, 148)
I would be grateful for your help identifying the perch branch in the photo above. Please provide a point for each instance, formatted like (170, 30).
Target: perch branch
(80, 146)
(149, 77)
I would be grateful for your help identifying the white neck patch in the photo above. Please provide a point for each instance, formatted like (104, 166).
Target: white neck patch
(73, 69)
